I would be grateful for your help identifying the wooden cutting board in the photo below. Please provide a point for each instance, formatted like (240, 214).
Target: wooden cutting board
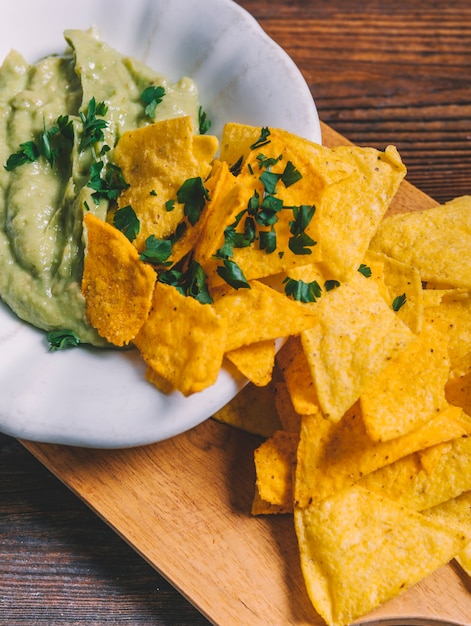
(184, 506)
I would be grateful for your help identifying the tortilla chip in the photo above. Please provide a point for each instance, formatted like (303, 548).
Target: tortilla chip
(155, 161)
(458, 386)
(358, 550)
(174, 340)
(332, 456)
(450, 310)
(274, 466)
(410, 390)
(255, 361)
(259, 313)
(345, 357)
(294, 367)
(407, 481)
(290, 419)
(436, 241)
(116, 284)
(401, 279)
(253, 410)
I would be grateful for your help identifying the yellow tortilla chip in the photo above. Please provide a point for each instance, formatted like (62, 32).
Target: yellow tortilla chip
(259, 313)
(358, 550)
(174, 341)
(252, 410)
(290, 419)
(458, 386)
(344, 357)
(363, 179)
(450, 310)
(295, 371)
(411, 484)
(410, 390)
(116, 284)
(332, 456)
(401, 281)
(274, 466)
(255, 361)
(436, 241)
(155, 161)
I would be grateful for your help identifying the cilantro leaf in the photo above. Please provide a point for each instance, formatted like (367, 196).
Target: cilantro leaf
(365, 270)
(269, 181)
(193, 195)
(268, 240)
(233, 275)
(301, 291)
(152, 96)
(266, 162)
(262, 140)
(399, 302)
(331, 284)
(92, 126)
(191, 282)
(301, 244)
(28, 153)
(157, 251)
(204, 123)
(236, 167)
(62, 339)
(109, 185)
(127, 222)
(290, 175)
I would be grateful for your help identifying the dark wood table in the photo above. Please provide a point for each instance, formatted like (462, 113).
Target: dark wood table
(380, 72)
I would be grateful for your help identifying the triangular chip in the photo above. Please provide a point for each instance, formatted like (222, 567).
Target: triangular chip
(410, 390)
(155, 161)
(345, 356)
(358, 549)
(260, 313)
(436, 241)
(174, 341)
(255, 361)
(332, 456)
(116, 284)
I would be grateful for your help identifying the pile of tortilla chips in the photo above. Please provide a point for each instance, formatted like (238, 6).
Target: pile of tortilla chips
(366, 408)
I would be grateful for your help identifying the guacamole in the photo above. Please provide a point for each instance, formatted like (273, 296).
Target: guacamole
(57, 104)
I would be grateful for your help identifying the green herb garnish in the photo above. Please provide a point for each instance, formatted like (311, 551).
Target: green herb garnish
(365, 270)
(127, 222)
(157, 251)
(302, 291)
(233, 275)
(152, 96)
(193, 195)
(262, 140)
(93, 127)
(204, 123)
(399, 302)
(62, 339)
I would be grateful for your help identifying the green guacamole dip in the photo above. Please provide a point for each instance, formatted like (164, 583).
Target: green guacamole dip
(42, 205)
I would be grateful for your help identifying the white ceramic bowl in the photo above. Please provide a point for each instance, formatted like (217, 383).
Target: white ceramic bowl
(99, 398)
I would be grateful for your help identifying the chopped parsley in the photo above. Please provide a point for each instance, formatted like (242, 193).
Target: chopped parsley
(399, 302)
(62, 339)
(262, 140)
(329, 285)
(365, 270)
(93, 126)
(193, 195)
(157, 251)
(204, 123)
(233, 275)
(47, 146)
(190, 282)
(301, 242)
(106, 180)
(152, 96)
(302, 291)
(127, 222)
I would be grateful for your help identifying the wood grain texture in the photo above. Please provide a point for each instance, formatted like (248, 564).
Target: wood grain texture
(380, 72)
